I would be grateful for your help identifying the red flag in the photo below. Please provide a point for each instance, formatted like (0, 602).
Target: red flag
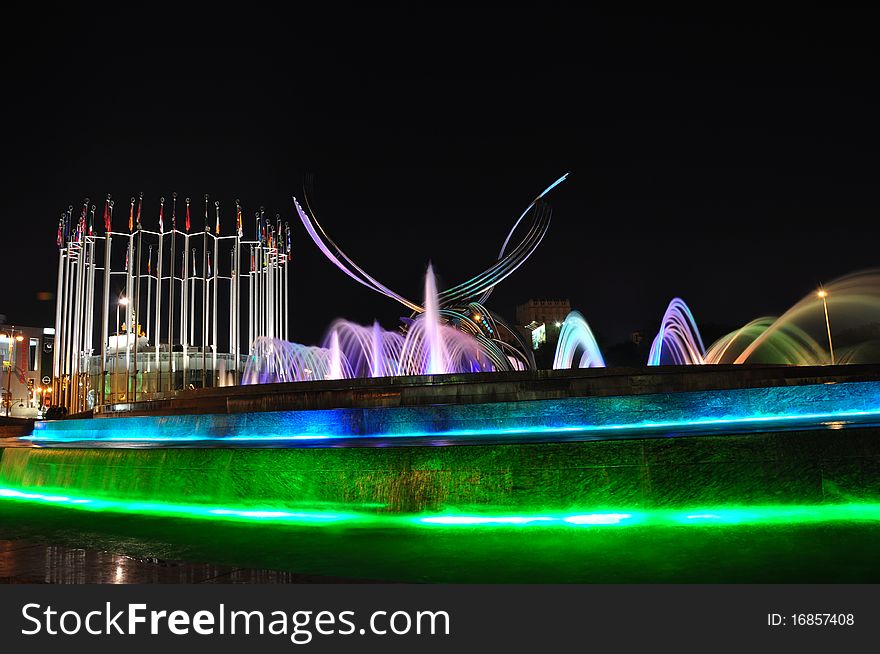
(161, 213)
(140, 204)
(187, 214)
(107, 214)
(126, 259)
(59, 239)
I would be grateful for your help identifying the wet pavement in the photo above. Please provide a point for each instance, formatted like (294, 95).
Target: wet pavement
(26, 562)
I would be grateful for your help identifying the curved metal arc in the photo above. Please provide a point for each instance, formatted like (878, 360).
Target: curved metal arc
(482, 284)
(499, 271)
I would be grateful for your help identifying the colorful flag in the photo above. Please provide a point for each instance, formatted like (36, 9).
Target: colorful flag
(81, 227)
(174, 210)
(238, 226)
(217, 211)
(107, 214)
(126, 259)
(161, 214)
(131, 216)
(287, 229)
(92, 221)
(150, 260)
(187, 214)
(59, 239)
(140, 204)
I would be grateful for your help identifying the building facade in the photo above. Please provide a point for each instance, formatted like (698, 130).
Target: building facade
(539, 321)
(26, 381)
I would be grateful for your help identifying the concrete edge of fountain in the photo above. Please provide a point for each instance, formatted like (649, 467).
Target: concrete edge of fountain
(475, 388)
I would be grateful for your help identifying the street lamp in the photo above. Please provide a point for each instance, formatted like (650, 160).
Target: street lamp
(12, 336)
(823, 294)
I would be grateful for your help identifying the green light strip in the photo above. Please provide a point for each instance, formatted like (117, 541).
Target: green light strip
(707, 517)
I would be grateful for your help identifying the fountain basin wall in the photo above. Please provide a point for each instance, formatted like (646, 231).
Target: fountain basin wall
(511, 456)
(580, 417)
(387, 392)
(796, 467)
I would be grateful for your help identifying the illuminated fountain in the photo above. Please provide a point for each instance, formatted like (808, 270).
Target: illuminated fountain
(678, 339)
(428, 347)
(576, 338)
(844, 316)
(838, 324)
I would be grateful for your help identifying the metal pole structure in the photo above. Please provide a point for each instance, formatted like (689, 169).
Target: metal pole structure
(81, 276)
(157, 329)
(9, 370)
(74, 329)
(237, 344)
(232, 326)
(149, 295)
(65, 320)
(214, 341)
(192, 302)
(236, 292)
(171, 293)
(251, 301)
(68, 318)
(137, 313)
(184, 314)
(129, 283)
(105, 308)
(56, 345)
(115, 390)
(108, 210)
(824, 295)
(90, 330)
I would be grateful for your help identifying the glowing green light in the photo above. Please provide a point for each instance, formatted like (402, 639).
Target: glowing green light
(706, 517)
(482, 520)
(598, 519)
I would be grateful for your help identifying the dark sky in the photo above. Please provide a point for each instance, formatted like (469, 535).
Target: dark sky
(731, 160)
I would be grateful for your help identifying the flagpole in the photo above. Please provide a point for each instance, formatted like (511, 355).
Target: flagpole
(251, 301)
(137, 295)
(128, 307)
(62, 337)
(184, 297)
(108, 212)
(171, 269)
(149, 301)
(56, 345)
(214, 340)
(157, 329)
(90, 332)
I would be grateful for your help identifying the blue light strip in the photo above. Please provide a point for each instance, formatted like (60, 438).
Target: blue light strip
(835, 418)
(808, 406)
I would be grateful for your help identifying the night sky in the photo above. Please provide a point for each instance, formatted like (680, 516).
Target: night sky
(731, 160)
